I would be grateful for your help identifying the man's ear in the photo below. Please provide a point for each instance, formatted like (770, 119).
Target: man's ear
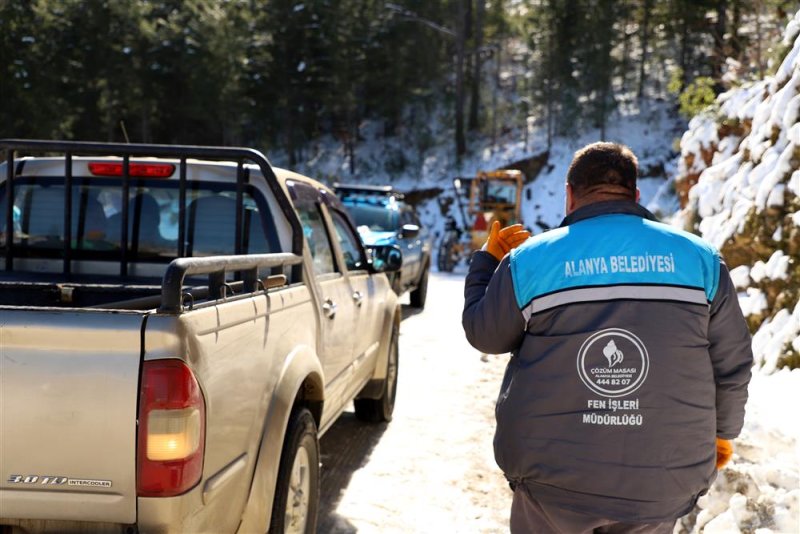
(638, 194)
(569, 200)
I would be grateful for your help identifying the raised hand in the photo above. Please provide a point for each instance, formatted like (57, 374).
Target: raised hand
(502, 240)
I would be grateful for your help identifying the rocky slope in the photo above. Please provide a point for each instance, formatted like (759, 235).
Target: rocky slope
(739, 186)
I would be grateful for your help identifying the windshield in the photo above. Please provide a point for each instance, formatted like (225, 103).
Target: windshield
(376, 218)
(500, 191)
(153, 213)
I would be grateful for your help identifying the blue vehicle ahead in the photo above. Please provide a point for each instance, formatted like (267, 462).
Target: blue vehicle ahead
(382, 217)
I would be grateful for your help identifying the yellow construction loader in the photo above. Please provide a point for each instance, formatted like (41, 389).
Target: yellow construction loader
(490, 196)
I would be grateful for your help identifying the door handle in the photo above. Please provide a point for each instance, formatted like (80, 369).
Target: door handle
(329, 308)
(358, 297)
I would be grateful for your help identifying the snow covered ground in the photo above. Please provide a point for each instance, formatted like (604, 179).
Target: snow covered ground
(431, 470)
(759, 491)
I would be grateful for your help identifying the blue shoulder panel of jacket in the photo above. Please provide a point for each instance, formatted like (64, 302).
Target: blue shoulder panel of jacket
(636, 256)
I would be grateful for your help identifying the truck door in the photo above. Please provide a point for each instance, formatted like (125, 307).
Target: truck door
(411, 248)
(336, 304)
(362, 287)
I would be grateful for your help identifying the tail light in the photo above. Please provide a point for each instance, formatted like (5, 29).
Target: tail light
(171, 430)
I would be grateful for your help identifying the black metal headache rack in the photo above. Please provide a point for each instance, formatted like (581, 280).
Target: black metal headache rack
(182, 266)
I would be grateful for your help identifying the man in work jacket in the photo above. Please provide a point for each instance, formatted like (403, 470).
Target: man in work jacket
(630, 358)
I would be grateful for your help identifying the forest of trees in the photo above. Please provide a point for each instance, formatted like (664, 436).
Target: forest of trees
(278, 74)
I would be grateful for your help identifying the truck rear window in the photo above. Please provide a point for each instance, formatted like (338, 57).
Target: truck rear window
(376, 218)
(153, 214)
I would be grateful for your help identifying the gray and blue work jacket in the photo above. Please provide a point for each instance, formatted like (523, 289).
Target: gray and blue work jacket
(629, 355)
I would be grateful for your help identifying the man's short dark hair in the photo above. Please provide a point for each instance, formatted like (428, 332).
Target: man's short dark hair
(603, 167)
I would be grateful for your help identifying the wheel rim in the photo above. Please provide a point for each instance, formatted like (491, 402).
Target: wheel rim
(299, 490)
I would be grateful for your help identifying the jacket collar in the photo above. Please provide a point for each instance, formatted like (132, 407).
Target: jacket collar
(608, 207)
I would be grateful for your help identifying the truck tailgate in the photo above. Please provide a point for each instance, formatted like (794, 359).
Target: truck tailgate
(69, 383)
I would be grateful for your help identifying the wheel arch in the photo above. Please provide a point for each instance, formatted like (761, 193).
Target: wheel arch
(301, 382)
(374, 388)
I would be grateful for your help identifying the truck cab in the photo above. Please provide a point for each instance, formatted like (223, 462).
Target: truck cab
(384, 217)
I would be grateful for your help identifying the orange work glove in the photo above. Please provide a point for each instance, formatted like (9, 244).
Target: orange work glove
(501, 241)
(724, 452)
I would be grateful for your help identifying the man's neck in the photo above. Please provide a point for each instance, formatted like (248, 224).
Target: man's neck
(625, 206)
(600, 196)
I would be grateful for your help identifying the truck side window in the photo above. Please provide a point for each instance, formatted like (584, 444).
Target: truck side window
(317, 237)
(407, 217)
(348, 242)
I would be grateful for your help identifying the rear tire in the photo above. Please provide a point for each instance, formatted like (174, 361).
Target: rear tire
(419, 295)
(446, 261)
(381, 409)
(294, 508)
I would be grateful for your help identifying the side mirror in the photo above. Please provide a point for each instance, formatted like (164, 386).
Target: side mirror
(409, 231)
(384, 258)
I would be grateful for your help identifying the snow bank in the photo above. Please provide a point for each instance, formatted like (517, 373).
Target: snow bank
(752, 301)
(776, 268)
(776, 336)
(749, 173)
(745, 202)
(740, 276)
(759, 490)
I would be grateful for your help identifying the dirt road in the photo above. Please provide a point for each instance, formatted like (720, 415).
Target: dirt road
(431, 469)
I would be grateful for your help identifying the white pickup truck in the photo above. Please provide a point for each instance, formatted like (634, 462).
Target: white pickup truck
(178, 325)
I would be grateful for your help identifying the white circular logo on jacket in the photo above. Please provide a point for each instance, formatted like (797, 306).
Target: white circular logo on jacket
(613, 362)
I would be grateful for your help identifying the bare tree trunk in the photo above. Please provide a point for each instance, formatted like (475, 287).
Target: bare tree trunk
(718, 57)
(352, 138)
(644, 39)
(626, 46)
(759, 5)
(290, 146)
(495, 92)
(461, 143)
(606, 77)
(145, 124)
(475, 97)
(467, 25)
(351, 156)
(603, 112)
(683, 61)
(549, 88)
(734, 43)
